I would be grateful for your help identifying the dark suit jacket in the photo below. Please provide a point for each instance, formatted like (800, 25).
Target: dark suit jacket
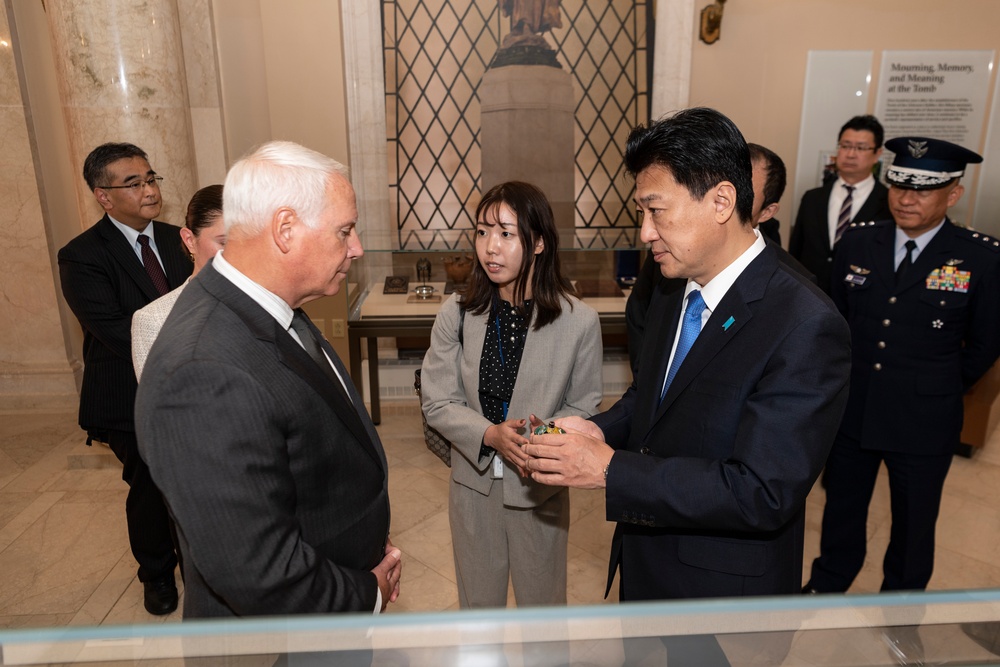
(276, 482)
(709, 487)
(104, 283)
(771, 229)
(650, 279)
(918, 347)
(810, 240)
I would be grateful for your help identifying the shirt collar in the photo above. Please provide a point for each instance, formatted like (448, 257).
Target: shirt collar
(132, 235)
(862, 188)
(717, 287)
(269, 301)
(922, 240)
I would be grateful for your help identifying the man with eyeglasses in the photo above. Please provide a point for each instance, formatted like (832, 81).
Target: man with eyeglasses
(922, 298)
(108, 272)
(854, 195)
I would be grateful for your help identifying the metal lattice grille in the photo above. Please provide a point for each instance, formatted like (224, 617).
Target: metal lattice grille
(436, 52)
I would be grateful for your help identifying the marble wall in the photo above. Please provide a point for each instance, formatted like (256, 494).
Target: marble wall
(84, 72)
(121, 75)
(34, 371)
(205, 104)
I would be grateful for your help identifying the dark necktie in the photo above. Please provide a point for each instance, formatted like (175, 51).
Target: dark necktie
(300, 323)
(907, 262)
(845, 213)
(153, 267)
(690, 329)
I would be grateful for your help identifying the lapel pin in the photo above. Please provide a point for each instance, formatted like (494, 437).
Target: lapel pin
(729, 323)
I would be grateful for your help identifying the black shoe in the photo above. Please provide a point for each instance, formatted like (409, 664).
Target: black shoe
(809, 590)
(160, 595)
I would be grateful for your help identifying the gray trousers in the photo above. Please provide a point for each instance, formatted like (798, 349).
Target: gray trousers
(492, 541)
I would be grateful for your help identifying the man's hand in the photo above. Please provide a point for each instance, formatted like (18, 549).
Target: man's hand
(568, 459)
(576, 424)
(507, 440)
(388, 573)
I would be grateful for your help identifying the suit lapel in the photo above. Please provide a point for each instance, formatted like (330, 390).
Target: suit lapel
(290, 354)
(822, 214)
(729, 317)
(868, 209)
(658, 341)
(119, 249)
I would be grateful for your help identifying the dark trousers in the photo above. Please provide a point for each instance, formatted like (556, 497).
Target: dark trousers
(915, 486)
(149, 525)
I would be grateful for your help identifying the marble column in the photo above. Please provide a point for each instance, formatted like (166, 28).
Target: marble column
(121, 76)
(366, 118)
(204, 96)
(675, 29)
(34, 372)
(527, 134)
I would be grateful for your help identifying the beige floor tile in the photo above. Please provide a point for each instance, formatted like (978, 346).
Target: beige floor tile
(592, 532)
(26, 621)
(423, 589)
(108, 592)
(39, 504)
(54, 565)
(429, 542)
(586, 577)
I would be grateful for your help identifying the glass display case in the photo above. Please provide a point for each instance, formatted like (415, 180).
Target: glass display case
(941, 628)
(397, 293)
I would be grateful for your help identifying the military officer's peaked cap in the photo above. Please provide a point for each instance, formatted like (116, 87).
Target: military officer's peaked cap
(925, 164)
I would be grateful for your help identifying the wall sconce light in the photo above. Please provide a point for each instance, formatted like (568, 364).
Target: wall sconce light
(711, 22)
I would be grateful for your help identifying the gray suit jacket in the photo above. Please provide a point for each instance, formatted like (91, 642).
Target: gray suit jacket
(276, 481)
(560, 375)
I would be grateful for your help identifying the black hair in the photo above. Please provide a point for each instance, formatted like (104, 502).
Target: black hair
(534, 221)
(700, 148)
(203, 207)
(95, 167)
(866, 123)
(774, 184)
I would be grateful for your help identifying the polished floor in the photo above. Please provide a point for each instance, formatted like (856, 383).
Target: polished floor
(64, 557)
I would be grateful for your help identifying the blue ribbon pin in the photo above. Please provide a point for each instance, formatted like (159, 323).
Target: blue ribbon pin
(729, 323)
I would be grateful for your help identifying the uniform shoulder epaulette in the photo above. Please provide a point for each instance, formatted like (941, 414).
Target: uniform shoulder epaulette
(979, 238)
(867, 224)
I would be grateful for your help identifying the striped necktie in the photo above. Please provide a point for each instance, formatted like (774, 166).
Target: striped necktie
(845, 213)
(153, 267)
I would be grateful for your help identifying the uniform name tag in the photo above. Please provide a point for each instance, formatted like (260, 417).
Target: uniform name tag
(855, 279)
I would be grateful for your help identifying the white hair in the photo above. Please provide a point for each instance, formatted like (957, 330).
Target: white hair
(275, 175)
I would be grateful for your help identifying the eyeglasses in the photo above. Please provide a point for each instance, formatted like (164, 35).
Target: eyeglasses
(847, 148)
(135, 186)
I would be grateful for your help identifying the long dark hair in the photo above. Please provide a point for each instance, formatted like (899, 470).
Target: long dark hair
(534, 222)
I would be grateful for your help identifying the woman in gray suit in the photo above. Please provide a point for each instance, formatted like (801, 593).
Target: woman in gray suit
(514, 345)
(203, 234)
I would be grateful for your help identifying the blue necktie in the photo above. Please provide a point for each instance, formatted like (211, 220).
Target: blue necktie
(689, 332)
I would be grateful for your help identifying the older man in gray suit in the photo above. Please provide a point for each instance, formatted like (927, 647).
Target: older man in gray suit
(250, 423)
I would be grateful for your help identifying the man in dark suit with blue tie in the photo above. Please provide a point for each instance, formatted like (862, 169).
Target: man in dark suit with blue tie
(922, 297)
(261, 443)
(708, 457)
(108, 272)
